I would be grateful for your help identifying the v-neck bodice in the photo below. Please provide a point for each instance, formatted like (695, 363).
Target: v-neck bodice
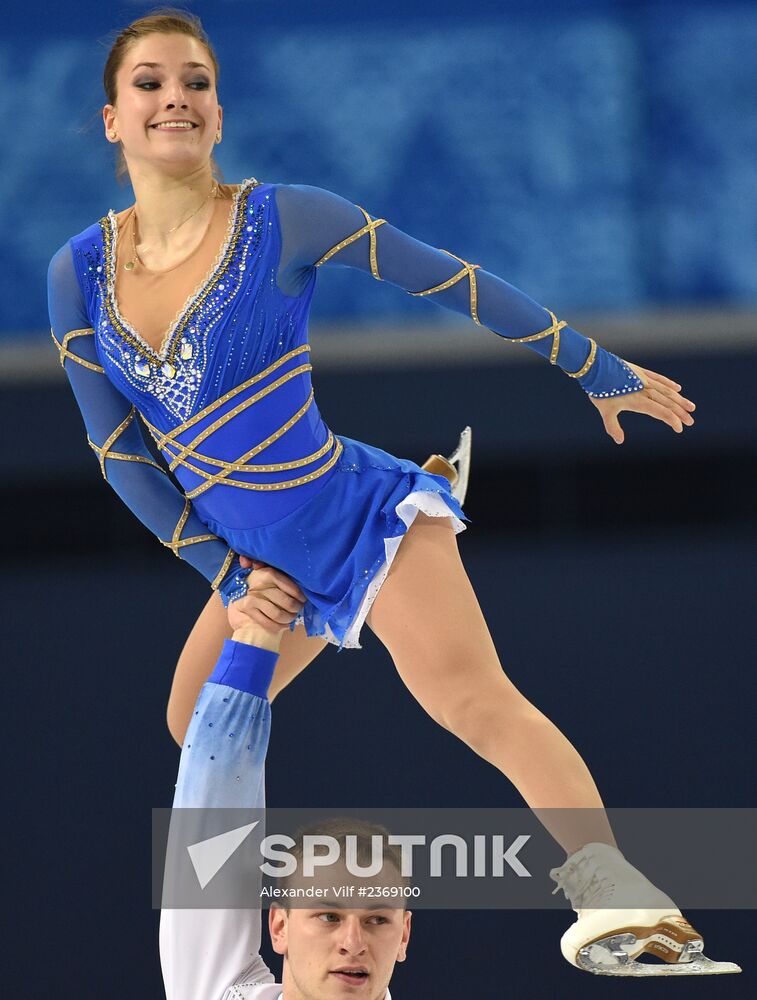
(155, 301)
(234, 323)
(152, 301)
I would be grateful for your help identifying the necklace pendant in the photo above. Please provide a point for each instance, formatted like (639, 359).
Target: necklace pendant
(129, 265)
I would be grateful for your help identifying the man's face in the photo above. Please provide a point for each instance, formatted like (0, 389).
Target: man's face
(337, 953)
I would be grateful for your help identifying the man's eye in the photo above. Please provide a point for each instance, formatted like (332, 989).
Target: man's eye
(327, 916)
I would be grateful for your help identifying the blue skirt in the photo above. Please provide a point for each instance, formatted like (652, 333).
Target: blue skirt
(338, 546)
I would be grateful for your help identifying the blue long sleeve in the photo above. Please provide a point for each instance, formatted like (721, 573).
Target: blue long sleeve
(116, 436)
(319, 227)
(209, 954)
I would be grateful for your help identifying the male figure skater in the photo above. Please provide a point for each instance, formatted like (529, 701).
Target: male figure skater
(331, 952)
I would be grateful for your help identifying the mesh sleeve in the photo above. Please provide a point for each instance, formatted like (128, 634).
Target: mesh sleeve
(319, 227)
(115, 435)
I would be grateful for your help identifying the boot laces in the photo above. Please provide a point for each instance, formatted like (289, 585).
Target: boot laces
(581, 883)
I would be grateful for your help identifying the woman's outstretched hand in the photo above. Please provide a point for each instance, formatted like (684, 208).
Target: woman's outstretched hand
(273, 599)
(660, 398)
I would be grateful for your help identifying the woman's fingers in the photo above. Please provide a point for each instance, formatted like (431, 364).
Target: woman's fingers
(612, 426)
(664, 388)
(660, 398)
(646, 404)
(670, 400)
(649, 374)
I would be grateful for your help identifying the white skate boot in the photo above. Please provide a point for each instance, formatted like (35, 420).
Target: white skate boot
(620, 915)
(458, 477)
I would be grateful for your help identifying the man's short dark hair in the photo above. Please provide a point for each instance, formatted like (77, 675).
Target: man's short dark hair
(340, 828)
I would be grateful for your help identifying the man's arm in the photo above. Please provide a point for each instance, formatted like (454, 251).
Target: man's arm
(204, 952)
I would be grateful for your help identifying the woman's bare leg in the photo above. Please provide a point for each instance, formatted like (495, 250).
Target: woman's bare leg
(202, 649)
(428, 617)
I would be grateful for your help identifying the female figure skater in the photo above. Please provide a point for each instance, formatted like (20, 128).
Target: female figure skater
(188, 313)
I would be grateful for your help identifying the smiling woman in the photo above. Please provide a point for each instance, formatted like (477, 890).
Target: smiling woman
(149, 74)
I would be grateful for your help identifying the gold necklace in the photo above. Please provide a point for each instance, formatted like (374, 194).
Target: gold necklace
(130, 264)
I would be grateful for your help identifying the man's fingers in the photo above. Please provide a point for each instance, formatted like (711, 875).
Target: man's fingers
(285, 601)
(274, 613)
(268, 576)
(275, 598)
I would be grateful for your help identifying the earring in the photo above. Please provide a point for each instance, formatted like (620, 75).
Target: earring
(218, 136)
(112, 134)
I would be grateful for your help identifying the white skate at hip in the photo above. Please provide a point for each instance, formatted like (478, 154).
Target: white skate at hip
(456, 473)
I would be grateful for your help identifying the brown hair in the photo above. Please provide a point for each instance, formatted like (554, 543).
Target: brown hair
(340, 827)
(163, 21)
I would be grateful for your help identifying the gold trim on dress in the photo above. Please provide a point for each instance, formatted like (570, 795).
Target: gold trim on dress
(177, 542)
(554, 329)
(64, 352)
(169, 346)
(239, 408)
(223, 480)
(469, 269)
(373, 224)
(241, 464)
(182, 454)
(168, 435)
(589, 361)
(218, 579)
(105, 452)
(371, 227)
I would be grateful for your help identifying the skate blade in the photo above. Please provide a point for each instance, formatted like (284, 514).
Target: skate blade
(615, 956)
(438, 465)
(461, 455)
(701, 966)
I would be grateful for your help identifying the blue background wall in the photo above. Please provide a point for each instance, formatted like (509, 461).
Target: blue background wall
(598, 155)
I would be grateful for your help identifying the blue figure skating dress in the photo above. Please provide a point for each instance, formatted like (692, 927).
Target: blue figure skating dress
(249, 466)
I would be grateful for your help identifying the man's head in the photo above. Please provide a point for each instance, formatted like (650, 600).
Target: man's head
(348, 946)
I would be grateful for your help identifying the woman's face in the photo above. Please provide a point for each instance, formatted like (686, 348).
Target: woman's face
(172, 90)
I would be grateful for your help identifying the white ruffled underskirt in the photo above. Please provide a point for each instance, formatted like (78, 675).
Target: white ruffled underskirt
(425, 501)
